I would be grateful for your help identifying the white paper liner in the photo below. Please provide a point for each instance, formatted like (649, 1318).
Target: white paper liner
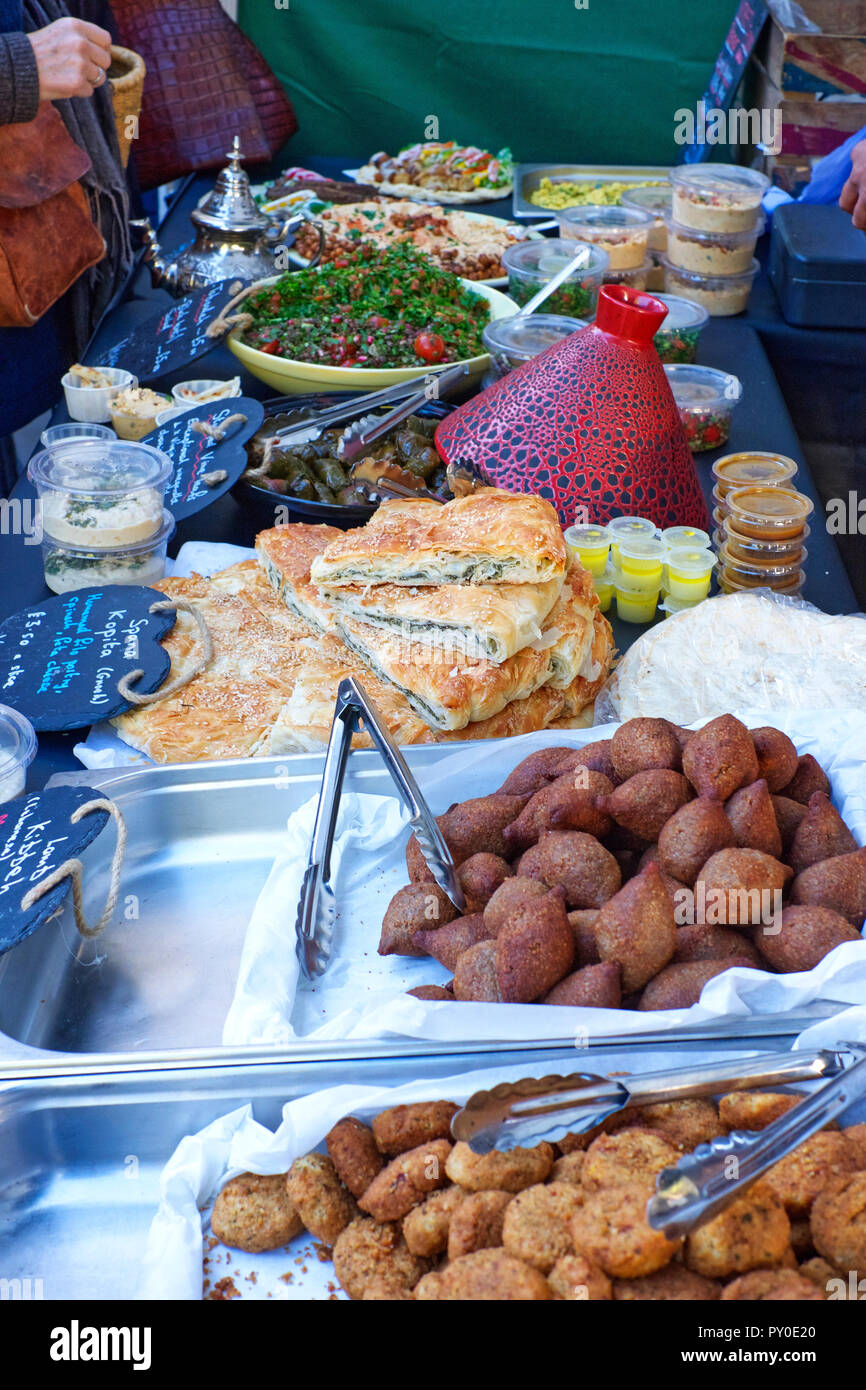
(363, 995)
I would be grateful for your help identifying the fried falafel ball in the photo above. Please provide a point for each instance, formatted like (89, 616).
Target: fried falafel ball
(628, 1156)
(755, 1109)
(254, 1212)
(404, 1127)
(772, 1286)
(801, 1176)
(673, 1284)
(406, 1181)
(537, 1225)
(611, 1229)
(369, 1252)
(324, 1205)
(426, 1226)
(683, 1123)
(484, 1276)
(477, 1222)
(508, 1172)
(353, 1152)
(752, 1232)
(839, 1223)
(576, 1279)
(569, 1168)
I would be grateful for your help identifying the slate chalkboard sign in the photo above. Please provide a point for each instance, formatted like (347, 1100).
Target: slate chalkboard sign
(36, 836)
(730, 66)
(60, 661)
(172, 337)
(194, 454)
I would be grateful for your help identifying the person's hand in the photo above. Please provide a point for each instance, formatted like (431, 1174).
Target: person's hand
(72, 58)
(853, 196)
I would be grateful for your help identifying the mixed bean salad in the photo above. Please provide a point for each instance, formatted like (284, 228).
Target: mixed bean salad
(369, 308)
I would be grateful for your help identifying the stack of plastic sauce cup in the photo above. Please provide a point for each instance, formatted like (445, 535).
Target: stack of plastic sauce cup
(761, 523)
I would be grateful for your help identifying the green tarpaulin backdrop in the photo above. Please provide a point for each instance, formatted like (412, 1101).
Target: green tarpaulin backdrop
(553, 81)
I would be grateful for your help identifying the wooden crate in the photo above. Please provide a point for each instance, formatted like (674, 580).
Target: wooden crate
(809, 127)
(805, 65)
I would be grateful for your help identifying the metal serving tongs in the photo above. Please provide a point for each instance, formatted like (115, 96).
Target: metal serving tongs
(317, 909)
(701, 1184)
(305, 431)
(368, 428)
(522, 1113)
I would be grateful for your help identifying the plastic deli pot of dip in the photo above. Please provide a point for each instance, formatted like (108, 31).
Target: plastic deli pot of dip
(590, 545)
(685, 535)
(720, 295)
(100, 495)
(769, 513)
(17, 751)
(623, 233)
(743, 547)
(134, 411)
(635, 605)
(637, 277)
(77, 567)
(657, 202)
(741, 470)
(93, 403)
(605, 587)
(731, 583)
(628, 528)
(64, 434)
(688, 572)
(705, 399)
(532, 264)
(641, 563)
(717, 197)
(514, 340)
(712, 253)
(677, 339)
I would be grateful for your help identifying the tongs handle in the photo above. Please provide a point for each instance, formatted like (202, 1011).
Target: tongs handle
(344, 410)
(655, 1087)
(314, 919)
(364, 432)
(700, 1185)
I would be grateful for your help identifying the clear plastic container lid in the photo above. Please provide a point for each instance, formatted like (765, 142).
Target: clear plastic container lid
(750, 547)
(702, 388)
(739, 470)
(710, 282)
(764, 508)
(98, 554)
(720, 180)
(692, 561)
(644, 548)
(541, 260)
(656, 201)
(88, 467)
(519, 337)
(590, 537)
(623, 527)
(17, 746)
(685, 535)
(75, 430)
(610, 223)
(682, 313)
(716, 238)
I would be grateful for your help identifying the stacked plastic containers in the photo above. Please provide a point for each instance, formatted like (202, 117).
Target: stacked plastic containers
(714, 223)
(635, 566)
(761, 523)
(621, 233)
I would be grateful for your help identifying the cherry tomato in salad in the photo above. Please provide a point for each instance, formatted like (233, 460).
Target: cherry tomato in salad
(273, 347)
(430, 347)
(378, 321)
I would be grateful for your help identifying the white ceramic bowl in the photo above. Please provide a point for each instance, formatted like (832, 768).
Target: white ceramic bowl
(92, 403)
(230, 388)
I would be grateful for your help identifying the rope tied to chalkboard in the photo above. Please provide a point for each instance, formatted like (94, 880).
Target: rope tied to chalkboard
(217, 432)
(73, 868)
(226, 320)
(165, 605)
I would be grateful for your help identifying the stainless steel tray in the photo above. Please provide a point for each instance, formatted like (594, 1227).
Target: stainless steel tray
(527, 178)
(81, 1156)
(155, 987)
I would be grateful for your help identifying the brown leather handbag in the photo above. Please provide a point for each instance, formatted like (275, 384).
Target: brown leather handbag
(206, 83)
(47, 236)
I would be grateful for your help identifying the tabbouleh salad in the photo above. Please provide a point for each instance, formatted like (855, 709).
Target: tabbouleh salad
(370, 308)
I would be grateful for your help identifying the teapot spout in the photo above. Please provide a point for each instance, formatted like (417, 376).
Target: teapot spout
(164, 274)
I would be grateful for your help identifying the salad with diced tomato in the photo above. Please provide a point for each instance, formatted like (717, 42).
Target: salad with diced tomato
(370, 308)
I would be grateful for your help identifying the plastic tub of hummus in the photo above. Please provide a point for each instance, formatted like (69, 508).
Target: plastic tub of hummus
(677, 339)
(657, 202)
(623, 233)
(100, 495)
(532, 264)
(712, 253)
(717, 197)
(81, 567)
(705, 399)
(17, 751)
(720, 295)
(134, 411)
(513, 341)
(638, 277)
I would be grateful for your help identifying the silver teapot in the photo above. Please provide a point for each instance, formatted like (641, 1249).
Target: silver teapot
(234, 238)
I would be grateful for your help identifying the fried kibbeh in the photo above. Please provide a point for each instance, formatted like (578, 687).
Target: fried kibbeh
(742, 887)
(513, 893)
(369, 1252)
(591, 987)
(433, 993)
(569, 803)
(324, 1205)
(799, 1177)
(691, 836)
(477, 1222)
(506, 1172)
(596, 756)
(821, 834)
(673, 1284)
(704, 942)
(447, 944)
(475, 975)
(354, 1153)
(720, 758)
(645, 803)
(582, 922)
(425, 1227)
(537, 1225)
(755, 1109)
(534, 950)
(803, 937)
(484, 1276)
(568, 1168)
(404, 1127)
(789, 814)
(644, 745)
(683, 1123)
(772, 1286)
(753, 819)
(406, 1181)
(809, 778)
(838, 883)
(631, 1155)
(575, 1279)
(383, 1291)
(534, 772)
(839, 1222)
(752, 1232)
(681, 986)
(635, 929)
(821, 1272)
(777, 757)
(254, 1212)
(586, 870)
(611, 1229)
(470, 827)
(479, 877)
(417, 907)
